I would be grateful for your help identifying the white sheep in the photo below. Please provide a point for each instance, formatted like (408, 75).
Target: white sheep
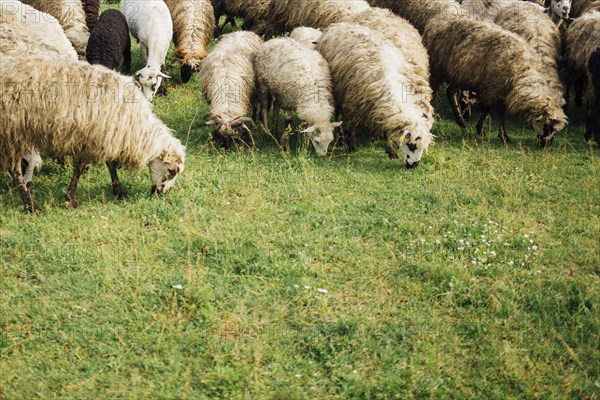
(299, 80)
(40, 24)
(228, 83)
(150, 23)
(86, 111)
(306, 35)
(376, 86)
(71, 16)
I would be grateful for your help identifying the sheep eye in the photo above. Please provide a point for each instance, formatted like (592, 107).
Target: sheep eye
(412, 146)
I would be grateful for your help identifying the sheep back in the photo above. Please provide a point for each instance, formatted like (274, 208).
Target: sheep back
(420, 12)
(17, 39)
(71, 17)
(400, 32)
(39, 23)
(109, 42)
(227, 74)
(307, 36)
(254, 13)
(285, 15)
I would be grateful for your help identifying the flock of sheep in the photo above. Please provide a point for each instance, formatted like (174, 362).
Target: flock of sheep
(370, 63)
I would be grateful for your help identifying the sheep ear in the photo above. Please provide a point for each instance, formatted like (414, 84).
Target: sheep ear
(310, 129)
(210, 122)
(138, 73)
(164, 75)
(405, 138)
(337, 124)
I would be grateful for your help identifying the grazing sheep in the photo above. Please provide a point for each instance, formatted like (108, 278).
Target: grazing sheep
(593, 121)
(307, 36)
(285, 15)
(501, 68)
(92, 10)
(558, 10)
(298, 79)
(400, 32)
(253, 12)
(41, 25)
(581, 7)
(228, 83)
(376, 85)
(582, 39)
(71, 17)
(150, 23)
(193, 27)
(420, 12)
(87, 111)
(110, 44)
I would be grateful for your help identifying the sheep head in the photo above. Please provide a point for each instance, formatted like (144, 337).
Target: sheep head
(165, 168)
(412, 141)
(546, 124)
(229, 128)
(321, 135)
(150, 79)
(560, 8)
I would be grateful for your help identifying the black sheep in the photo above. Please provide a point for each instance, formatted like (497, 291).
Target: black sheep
(593, 119)
(109, 42)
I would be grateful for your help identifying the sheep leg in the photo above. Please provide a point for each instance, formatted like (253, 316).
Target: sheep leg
(79, 169)
(391, 152)
(479, 126)
(185, 73)
(285, 136)
(264, 107)
(118, 190)
(24, 193)
(127, 58)
(502, 128)
(452, 94)
(579, 82)
(275, 118)
(162, 89)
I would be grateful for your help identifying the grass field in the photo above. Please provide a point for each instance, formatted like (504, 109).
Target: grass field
(264, 274)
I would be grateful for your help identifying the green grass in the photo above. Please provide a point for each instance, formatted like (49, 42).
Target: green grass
(474, 276)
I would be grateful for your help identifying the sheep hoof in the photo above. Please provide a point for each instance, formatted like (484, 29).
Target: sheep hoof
(391, 153)
(162, 91)
(120, 192)
(32, 208)
(71, 201)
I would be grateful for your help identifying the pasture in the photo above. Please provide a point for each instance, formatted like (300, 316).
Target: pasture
(266, 274)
